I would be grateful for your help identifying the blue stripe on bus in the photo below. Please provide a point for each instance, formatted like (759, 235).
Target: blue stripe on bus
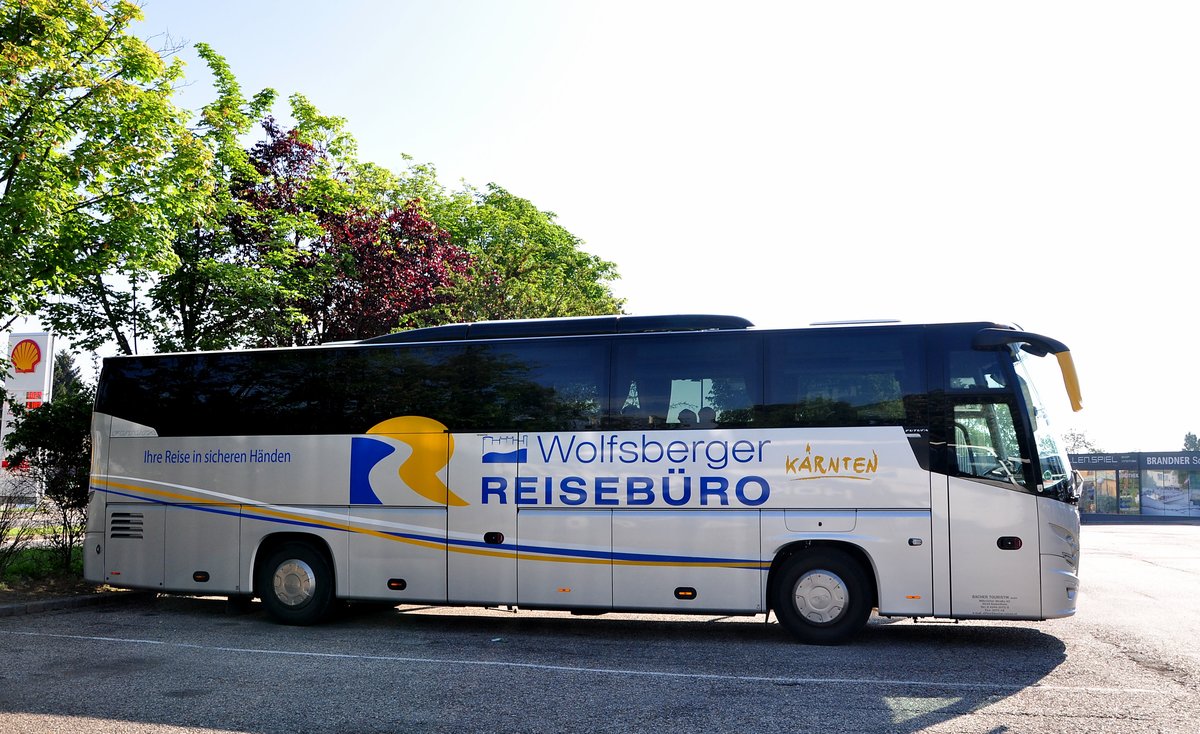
(741, 563)
(609, 555)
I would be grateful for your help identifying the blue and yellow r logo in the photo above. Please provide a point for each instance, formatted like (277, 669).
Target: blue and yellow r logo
(432, 446)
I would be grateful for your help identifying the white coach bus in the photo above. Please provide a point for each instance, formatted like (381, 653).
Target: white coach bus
(650, 463)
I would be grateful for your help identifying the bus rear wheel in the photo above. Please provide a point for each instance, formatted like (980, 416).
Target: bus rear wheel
(822, 596)
(296, 585)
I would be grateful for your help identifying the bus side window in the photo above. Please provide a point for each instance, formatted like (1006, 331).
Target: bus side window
(367, 386)
(272, 392)
(858, 378)
(976, 370)
(985, 444)
(686, 382)
(558, 385)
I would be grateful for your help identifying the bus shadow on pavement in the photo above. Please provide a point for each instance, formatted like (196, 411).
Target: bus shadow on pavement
(894, 676)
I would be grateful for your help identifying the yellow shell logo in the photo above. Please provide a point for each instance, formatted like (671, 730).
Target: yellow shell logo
(26, 355)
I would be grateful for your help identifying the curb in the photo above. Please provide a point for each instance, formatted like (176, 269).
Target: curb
(75, 602)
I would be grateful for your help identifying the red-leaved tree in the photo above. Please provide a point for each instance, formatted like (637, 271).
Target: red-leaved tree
(394, 263)
(345, 267)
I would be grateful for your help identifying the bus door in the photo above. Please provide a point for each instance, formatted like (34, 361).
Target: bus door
(995, 567)
(481, 533)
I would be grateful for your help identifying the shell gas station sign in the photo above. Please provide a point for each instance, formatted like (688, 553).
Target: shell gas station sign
(27, 371)
(26, 356)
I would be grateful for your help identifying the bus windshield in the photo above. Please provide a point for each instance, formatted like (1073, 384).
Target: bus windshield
(1055, 469)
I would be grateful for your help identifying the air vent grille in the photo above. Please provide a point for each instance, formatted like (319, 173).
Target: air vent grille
(125, 525)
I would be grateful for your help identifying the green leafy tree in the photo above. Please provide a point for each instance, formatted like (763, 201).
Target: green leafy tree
(1191, 442)
(219, 287)
(191, 304)
(52, 444)
(94, 157)
(526, 265)
(120, 224)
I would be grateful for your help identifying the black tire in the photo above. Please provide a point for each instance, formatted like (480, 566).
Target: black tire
(822, 596)
(296, 585)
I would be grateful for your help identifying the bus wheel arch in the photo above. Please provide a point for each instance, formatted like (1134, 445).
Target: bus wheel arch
(822, 592)
(295, 579)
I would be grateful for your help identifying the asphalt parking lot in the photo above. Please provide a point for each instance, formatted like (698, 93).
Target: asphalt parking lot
(1128, 662)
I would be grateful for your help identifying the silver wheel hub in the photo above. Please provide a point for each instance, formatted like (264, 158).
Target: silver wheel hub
(295, 582)
(820, 596)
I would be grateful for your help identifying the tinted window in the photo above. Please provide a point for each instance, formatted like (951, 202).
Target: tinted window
(707, 380)
(978, 370)
(303, 391)
(217, 394)
(854, 377)
(152, 391)
(368, 385)
(539, 385)
(481, 387)
(254, 393)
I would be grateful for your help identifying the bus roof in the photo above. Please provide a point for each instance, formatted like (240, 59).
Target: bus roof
(568, 326)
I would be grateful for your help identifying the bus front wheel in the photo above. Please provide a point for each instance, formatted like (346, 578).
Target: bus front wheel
(822, 596)
(296, 585)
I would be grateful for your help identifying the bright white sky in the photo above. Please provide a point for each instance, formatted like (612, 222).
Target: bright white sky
(1028, 162)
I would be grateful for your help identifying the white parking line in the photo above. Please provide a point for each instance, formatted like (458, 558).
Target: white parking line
(782, 680)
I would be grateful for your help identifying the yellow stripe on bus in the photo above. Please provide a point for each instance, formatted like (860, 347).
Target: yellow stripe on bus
(448, 546)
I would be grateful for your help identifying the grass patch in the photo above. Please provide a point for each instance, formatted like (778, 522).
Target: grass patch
(40, 564)
(41, 531)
